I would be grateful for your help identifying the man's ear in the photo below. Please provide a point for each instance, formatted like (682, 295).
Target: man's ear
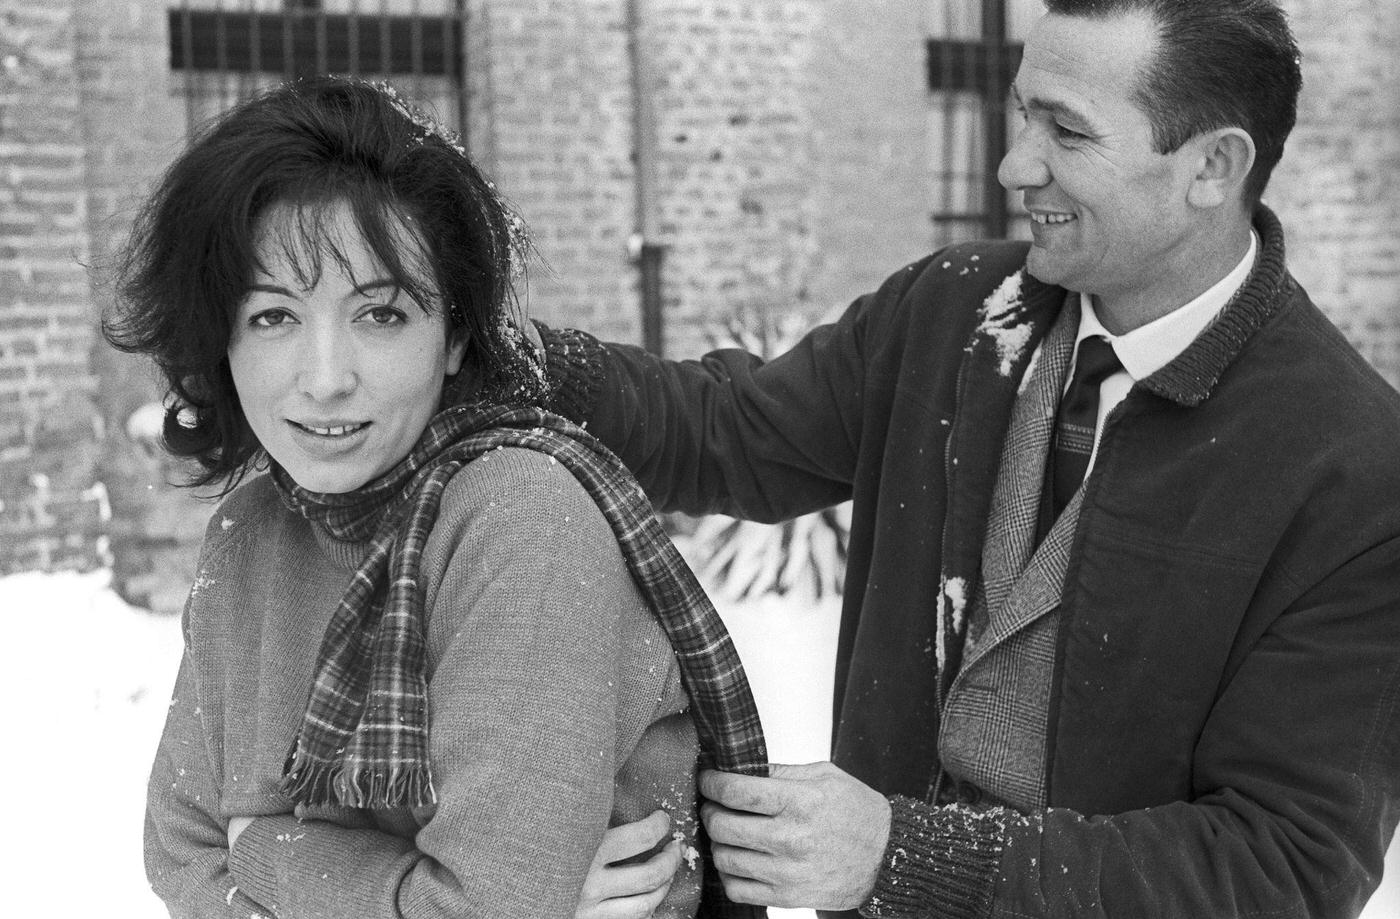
(1224, 159)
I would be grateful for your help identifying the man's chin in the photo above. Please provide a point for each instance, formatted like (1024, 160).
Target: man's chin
(1043, 266)
(1053, 268)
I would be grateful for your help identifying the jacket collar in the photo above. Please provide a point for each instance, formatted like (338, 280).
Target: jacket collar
(1191, 377)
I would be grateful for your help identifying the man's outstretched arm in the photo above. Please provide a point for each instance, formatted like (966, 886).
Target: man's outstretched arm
(729, 432)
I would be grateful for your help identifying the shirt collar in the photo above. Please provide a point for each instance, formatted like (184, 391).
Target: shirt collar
(1150, 347)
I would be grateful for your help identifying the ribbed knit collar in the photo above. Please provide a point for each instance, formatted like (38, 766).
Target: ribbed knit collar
(346, 554)
(1191, 377)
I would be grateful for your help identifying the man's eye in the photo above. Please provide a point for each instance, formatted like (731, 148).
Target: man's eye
(1065, 133)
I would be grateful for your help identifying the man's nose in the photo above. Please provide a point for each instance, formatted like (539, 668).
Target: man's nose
(327, 366)
(1023, 166)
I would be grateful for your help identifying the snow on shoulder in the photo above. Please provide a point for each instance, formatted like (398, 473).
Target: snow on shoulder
(1001, 322)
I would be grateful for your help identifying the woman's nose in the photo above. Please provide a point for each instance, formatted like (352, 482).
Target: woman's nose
(327, 368)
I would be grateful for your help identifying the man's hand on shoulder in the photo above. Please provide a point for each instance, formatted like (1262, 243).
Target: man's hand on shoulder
(809, 836)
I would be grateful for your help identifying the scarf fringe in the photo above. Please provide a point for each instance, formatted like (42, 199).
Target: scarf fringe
(321, 784)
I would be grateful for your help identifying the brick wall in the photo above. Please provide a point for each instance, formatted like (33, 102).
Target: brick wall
(550, 109)
(874, 133)
(133, 124)
(735, 158)
(791, 143)
(52, 512)
(735, 182)
(1338, 186)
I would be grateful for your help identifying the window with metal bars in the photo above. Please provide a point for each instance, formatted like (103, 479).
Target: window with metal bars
(974, 48)
(222, 51)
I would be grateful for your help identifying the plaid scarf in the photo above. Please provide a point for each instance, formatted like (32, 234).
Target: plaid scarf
(363, 741)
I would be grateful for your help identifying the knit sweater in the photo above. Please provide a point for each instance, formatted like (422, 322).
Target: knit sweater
(556, 710)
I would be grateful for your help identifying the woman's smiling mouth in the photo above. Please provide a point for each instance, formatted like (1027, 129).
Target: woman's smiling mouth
(334, 430)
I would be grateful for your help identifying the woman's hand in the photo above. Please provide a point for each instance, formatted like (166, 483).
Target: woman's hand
(236, 825)
(633, 889)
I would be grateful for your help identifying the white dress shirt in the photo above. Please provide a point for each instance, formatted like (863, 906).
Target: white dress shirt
(1150, 347)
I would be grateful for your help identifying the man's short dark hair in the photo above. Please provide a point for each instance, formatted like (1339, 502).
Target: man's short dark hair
(309, 146)
(1221, 63)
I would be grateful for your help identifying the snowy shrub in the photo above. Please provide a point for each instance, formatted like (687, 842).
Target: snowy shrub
(740, 559)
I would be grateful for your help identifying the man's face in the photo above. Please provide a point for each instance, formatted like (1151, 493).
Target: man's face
(1109, 214)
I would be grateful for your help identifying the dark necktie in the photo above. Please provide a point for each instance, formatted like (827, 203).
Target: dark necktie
(1076, 419)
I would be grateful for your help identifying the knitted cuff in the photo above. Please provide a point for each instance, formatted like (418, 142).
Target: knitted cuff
(252, 861)
(940, 861)
(574, 368)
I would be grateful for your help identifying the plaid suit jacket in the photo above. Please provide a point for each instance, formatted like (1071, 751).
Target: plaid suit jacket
(994, 726)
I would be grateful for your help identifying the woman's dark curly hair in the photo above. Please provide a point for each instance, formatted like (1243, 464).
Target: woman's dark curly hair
(311, 145)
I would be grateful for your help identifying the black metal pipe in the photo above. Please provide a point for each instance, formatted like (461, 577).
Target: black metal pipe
(994, 117)
(649, 263)
(650, 255)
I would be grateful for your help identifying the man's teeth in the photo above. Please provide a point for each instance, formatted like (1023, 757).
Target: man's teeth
(1052, 218)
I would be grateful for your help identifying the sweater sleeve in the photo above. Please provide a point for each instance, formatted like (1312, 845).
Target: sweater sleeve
(526, 646)
(939, 861)
(186, 840)
(731, 433)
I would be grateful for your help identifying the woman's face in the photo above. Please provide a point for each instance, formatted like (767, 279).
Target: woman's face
(337, 380)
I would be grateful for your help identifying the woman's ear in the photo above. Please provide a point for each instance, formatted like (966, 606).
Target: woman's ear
(456, 349)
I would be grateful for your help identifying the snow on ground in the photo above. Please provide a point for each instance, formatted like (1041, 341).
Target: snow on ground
(789, 653)
(87, 679)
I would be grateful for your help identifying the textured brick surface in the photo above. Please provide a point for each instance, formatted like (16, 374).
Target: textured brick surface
(1338, 186)
(793, 141)
(134, 123)
(51, 513)
(736, 157)
(875, 131)
(734, 194)
(551, 108)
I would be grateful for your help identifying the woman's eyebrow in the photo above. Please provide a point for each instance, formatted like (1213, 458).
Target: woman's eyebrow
(271, 289)
(375, 284)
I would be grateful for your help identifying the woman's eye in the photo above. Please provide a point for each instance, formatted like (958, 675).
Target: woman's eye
(383, 315)
(269, 318)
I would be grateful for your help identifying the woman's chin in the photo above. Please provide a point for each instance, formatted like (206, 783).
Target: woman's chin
(334, 464)
(329, 478)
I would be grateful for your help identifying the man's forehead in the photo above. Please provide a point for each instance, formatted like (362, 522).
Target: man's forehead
(1083, 62)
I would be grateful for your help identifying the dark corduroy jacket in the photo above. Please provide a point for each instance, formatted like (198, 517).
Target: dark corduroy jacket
(1224, 731)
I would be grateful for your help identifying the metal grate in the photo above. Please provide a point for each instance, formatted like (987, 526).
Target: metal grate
(972, 61)
(221, 52)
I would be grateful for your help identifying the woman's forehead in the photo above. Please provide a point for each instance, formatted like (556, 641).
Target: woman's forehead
(299, 241)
